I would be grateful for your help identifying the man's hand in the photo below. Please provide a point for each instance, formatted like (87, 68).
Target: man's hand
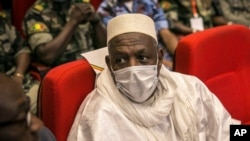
(83, 12)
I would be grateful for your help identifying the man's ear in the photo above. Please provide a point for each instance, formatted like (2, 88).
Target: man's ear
(107, 60)
(160, 57)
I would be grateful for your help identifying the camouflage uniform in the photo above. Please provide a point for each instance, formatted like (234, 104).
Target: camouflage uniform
(237, 11)
(10, 48)
(181, 10)
(42, 23)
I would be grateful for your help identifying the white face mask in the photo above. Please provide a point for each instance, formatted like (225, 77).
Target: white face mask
(137, 82)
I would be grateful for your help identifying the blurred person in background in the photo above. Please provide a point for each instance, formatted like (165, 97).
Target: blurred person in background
(58, 31)
(236, 11)
(15, 57)
(190, 16)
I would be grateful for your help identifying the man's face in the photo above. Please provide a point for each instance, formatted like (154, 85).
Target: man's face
(18, 128)
(133, 49)
(14, 111)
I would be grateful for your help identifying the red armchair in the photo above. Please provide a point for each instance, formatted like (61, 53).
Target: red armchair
(62, 91)
(220, 57)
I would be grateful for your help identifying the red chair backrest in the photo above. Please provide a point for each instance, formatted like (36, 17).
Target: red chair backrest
(95, 3)
(62, 91)
(220, 57)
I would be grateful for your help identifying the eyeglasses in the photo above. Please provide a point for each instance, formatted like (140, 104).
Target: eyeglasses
(26, 120)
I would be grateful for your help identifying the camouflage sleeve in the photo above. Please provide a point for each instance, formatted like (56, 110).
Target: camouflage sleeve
(21, 47)
(36, 30)
(15, 39)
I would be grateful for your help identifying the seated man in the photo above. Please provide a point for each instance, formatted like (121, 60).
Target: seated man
(109, 9)
(170, 8)
(15, 57)
(58, 31)
(191, 16)
(235, 11)
(16, 121)
(138, 99)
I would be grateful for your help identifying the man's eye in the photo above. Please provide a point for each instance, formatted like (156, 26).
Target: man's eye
(120, 61)
(143, 58)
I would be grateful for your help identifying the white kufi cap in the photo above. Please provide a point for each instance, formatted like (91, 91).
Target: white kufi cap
(126, 23)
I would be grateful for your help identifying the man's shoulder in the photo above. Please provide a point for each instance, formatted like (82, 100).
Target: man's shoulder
(96, 104)
(96, 101)
(190, 87)
(5, 17)
(4, 14)
(186, 78)
(45, 134)
(37, 8)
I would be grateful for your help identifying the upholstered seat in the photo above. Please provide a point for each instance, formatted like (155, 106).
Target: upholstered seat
(220, 57)
(62, 91)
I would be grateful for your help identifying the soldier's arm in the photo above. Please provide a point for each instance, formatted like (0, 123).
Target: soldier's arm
(99, 30)
(22, 64)
(49, 52)
(22, 59)
(162, 26)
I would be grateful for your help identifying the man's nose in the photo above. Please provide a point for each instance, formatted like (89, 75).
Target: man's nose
(133, 62)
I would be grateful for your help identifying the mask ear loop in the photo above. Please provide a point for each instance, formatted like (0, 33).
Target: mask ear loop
(157, 56)
(28, 119)
(157, 61)
(111, 66)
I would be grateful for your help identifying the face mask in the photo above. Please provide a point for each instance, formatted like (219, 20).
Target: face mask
(137, 82)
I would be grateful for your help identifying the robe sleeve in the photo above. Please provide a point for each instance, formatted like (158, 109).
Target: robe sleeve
(214, 119)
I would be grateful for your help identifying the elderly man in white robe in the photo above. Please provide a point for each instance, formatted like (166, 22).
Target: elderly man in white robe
(138, 99)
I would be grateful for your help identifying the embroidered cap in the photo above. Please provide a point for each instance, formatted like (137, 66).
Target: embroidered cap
(126, 23)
